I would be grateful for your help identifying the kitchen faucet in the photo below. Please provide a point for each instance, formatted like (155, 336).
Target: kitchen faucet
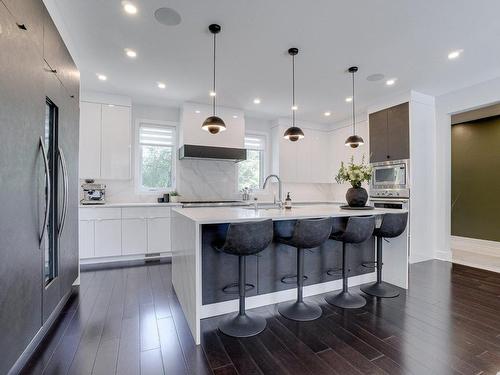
(280, 188)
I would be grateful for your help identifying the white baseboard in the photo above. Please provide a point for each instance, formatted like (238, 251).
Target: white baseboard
(476, 253)
(225, 307)
(123, 258)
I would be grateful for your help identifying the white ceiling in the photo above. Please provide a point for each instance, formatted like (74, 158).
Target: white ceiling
(406, 39)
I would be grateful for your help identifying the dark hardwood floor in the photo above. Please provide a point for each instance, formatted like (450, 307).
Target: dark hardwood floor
(128, 321)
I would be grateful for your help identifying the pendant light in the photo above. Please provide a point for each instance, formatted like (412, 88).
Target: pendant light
(354, 140)
(214, 124)
(293, 133)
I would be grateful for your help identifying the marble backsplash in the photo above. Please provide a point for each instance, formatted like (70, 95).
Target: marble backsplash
(216, 180)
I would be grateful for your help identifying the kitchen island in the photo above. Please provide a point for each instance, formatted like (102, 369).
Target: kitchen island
(199, 273)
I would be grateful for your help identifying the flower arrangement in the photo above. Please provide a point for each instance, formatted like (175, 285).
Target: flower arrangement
(355, 174)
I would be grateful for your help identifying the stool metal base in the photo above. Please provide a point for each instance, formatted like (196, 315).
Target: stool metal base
(247, 325)
(299, 311)
(346, 300)
(380, 289)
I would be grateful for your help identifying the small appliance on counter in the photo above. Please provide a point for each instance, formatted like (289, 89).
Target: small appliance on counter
(93, 193)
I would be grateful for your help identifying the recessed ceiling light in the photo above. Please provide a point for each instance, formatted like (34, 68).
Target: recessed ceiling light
(161, 85)
(111, 105)
(454, 54)
(130, 53)
(327, 113)
(197, 111)
(256, 101)
(390, 82)
(213, 93)
(294, 108)
(234, 116)
(348, 99)
(102, 77)
(129, 7)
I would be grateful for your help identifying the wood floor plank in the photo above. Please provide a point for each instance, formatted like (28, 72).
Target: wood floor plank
(173, 358)
(129, 322)
(151, 362)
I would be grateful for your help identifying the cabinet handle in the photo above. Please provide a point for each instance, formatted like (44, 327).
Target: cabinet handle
(62, 159)
(41, 147)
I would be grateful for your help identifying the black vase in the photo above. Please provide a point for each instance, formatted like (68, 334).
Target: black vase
(356, 197)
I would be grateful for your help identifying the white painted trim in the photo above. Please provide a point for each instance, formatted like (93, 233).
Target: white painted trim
(474, 245)
(225, 307)
(443, 255)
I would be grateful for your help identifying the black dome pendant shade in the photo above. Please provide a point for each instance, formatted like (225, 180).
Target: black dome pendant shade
(354, 140)
(293, 133)
(214, 124)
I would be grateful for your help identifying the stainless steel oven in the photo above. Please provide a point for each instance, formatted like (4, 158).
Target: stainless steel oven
(390, 179)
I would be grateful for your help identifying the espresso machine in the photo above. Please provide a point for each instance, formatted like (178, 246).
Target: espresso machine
(93, 193)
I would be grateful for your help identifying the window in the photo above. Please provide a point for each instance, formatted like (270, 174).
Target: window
(251, 171)
(157, 145)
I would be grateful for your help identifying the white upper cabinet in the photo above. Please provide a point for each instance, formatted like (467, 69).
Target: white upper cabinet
(105, 141)
(304, 161)
(90, 140)
(116, 143)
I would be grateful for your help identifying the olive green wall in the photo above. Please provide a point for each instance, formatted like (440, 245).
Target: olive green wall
(475, 179)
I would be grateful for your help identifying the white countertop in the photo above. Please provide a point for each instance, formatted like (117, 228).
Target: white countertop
(118, 205)
(216, 215)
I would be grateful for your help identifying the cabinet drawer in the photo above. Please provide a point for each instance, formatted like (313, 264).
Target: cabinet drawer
(145, 212)
(100, 213)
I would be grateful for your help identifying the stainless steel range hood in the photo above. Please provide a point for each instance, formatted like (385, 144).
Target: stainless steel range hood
(234, 155)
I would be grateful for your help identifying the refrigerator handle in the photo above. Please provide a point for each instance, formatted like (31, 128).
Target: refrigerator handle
(62, 159)
(48, 191)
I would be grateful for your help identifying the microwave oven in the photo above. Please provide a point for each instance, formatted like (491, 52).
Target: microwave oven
(390, 179)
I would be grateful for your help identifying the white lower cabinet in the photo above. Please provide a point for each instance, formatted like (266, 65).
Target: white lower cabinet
(134, 236)
(113, 232)
(86, 239)
(108, 237)
(158, 236)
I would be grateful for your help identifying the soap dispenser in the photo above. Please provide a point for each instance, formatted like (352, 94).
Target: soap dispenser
(288, 201)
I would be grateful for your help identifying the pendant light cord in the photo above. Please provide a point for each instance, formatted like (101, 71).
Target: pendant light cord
(293, 90)
(215, 92)
(353, 107)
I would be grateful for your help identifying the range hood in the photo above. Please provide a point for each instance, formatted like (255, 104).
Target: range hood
(230, 154)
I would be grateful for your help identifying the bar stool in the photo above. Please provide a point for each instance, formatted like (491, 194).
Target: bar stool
(358, 230)
(393, 225)
(307, 234)
(244, 239)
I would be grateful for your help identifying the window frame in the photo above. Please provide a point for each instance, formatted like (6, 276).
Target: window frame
(140, 189)
(263, 162)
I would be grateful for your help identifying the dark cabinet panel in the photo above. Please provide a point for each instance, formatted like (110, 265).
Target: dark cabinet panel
(398, 131)
(378, 136)
(22, 109)
(29, 14)
(390, 134)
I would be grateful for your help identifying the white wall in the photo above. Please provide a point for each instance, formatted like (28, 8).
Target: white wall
(472, 97)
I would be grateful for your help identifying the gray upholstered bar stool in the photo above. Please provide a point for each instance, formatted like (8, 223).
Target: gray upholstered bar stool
(307, 234)
(358, 230)
(244, 239)
(393, 225)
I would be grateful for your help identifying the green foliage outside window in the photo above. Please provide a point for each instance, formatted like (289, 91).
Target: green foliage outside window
(156, 169)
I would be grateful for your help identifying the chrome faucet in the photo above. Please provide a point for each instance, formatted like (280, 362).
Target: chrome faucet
(280, 189)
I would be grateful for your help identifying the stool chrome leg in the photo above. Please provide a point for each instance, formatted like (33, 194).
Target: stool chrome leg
(344, 299)
(380, 288)
(299, 310)
(242, 323)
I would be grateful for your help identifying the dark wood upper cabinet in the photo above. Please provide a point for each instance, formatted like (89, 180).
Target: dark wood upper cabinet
(390, 134)
(398, 132)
